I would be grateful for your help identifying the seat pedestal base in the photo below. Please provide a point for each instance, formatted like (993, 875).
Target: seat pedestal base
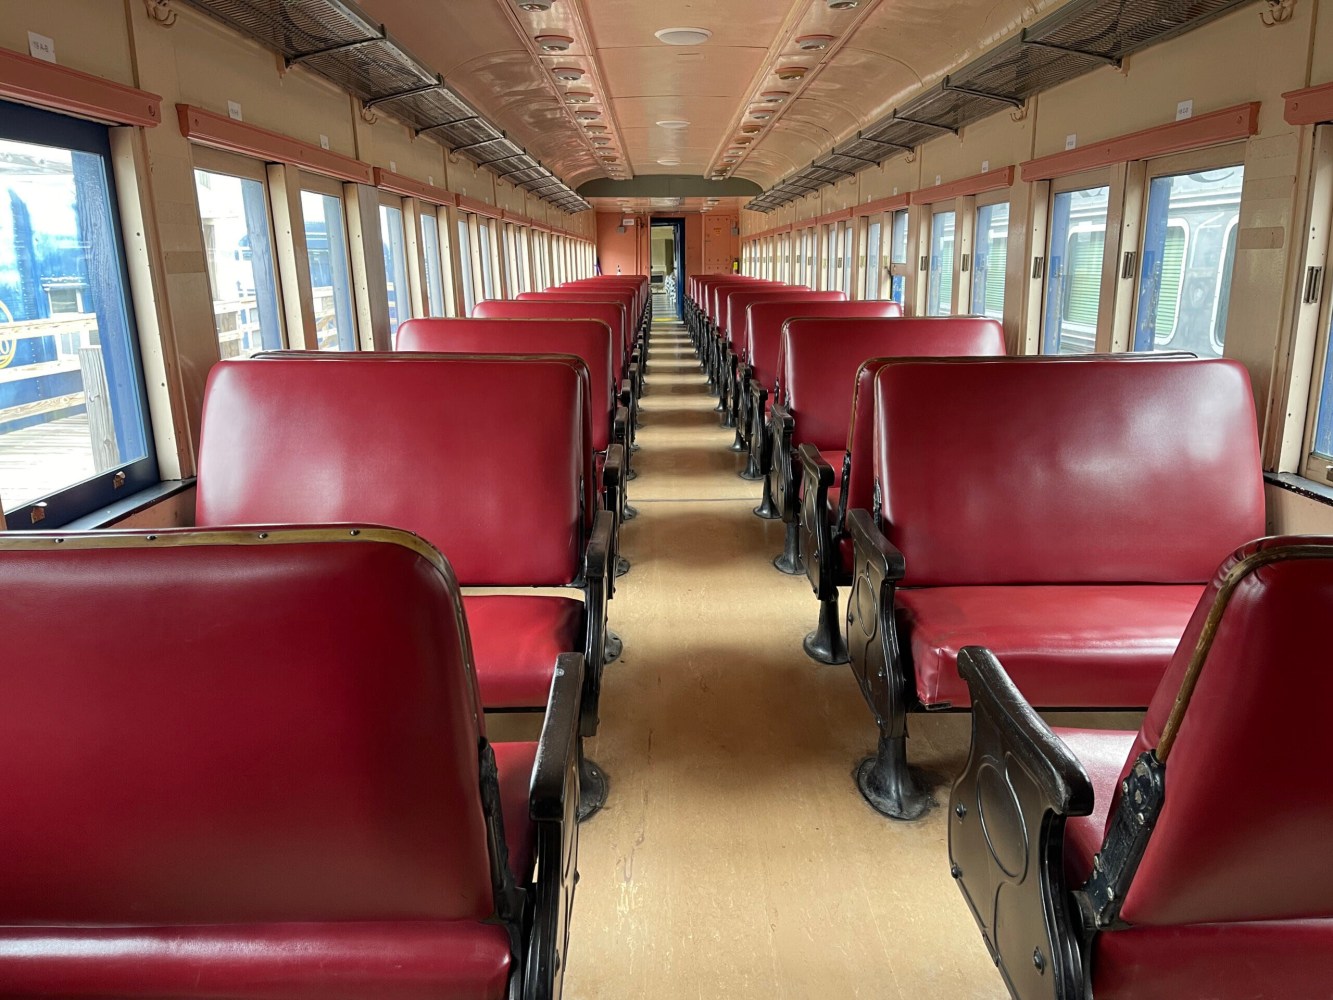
(614, 647)
(593, 788)
(887, 784)
(790, 560)
(825, 644)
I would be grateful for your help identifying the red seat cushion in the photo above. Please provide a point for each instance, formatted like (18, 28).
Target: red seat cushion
(515, 641)
(334, 960)
(514, 761)
(1102, 753)
(1086, 646)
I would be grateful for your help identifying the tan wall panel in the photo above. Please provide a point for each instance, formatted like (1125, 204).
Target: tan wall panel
(90, 35)
(1292, 514)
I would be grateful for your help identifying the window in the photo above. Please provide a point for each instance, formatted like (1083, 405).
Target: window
(991, 249)
(488, 283)
(1189, 251)
(939, 289)
(330, 279)
(1074, 270)
(847, 259)
(874, 231)
(433, 263)
(898, 257)
(74, 431)
(465, 260)
(392, 241)
(830, 257)
(238, 242)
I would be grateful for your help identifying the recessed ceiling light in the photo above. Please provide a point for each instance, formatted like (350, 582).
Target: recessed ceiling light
(674, 123)
(594, 128)
(554, 43)
(579, 97)
(752, 129)
(842, 4)
(761, 116)
(774, 96)
(536, 5)
(587, 115)
(743, 139)
(568, 73)
(683, 36)
(791, 72)
(669, 161)
(601, 142)
(814, 43)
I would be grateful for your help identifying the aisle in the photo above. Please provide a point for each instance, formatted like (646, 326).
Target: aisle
(735, 858)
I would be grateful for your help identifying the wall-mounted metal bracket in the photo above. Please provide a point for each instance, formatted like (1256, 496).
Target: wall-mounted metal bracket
(161, 12)
(924, 124)
(1278, 12)
(1095, 56)
(296, 60)
(983, 95)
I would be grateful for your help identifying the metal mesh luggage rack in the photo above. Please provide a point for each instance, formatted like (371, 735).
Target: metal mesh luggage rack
(1074, 40)
(336, 40)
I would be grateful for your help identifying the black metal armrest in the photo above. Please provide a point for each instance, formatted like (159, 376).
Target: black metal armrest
(553, 802)
(620, 425)
(816, 531)
(613, 494)
(783, 479)
(626, 395)
(871, 543)
(1006, 835)
(598, 574)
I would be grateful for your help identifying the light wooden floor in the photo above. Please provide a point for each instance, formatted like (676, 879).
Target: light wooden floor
(735, 857)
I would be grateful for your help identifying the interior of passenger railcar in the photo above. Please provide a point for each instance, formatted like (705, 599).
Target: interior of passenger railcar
(522, 499)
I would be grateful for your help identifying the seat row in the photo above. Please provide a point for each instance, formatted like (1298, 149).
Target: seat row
(1047, 532)
(283, 786)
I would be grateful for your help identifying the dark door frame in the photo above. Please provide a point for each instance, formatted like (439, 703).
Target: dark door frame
(678, 224)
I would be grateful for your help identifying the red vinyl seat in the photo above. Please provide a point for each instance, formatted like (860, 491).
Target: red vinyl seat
(1187, 859)
(820, 364)
(427, 449)
(1078, 553)
(242, 801)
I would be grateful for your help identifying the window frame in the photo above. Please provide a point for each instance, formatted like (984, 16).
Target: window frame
(1114, 181)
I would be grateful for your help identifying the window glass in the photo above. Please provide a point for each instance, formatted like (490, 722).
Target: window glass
(430, 250)
(330, 280)
(1323, 429)
(1189, 250)
(395, 265)
(848, 242)
(988, 262)
(239, 248)
(1074, 270)
(899, 256)
(939, 290)
(73, 424)
(465, 261)
(873, 232)
(830, 257)
(484, 252)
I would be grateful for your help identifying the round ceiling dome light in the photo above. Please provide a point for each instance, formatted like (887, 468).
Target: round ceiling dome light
(751, 129)
(601, 142)
(554, 43)
(568, 73)
(669, 161)
(587, 115)
(842, 4)
(683, 36)
(535, 6)
(743, 139)
(774, 96)
(761, 115)
(579, 97)
(674, 123)
(791, 72)
(814, 43)
(594, 128)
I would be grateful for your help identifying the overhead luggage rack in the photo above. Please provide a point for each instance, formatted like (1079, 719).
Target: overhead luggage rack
(1076, 39)
(340, 43)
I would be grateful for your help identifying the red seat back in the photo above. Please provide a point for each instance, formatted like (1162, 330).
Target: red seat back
(290, 734)
(820, 358)
(738, 303)
(1031, 471)
(590, 340)
(430, 443)
(766, 319)
(1243, 833)
(613, 314)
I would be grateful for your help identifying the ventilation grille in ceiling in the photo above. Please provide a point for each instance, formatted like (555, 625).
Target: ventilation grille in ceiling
(336, 40)
(1074, 40)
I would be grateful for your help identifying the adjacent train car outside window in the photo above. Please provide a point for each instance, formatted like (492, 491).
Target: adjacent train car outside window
(484, 250)
(74, 429)
(847, 258)
(1187, 259)
(830, 244)
(330, 272)
(990, 252)
(1074, 270)
(433, 263)
(898, 257)
(238, 246)
(939, 287)
(393, 243)
(465, 261)
(874, 234)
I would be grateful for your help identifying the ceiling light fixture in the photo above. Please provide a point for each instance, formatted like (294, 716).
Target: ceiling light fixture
(554, 43)
(761, 116)
(683, 36)
(587, 115)
(814, 43)
(842, 4)
(751, 129)
(601, 142)
(594, 128)
(774, 96)
(579, 97)
(674, 123)
(534, 6)
(669, 162)
(567, 73)
(791, 72)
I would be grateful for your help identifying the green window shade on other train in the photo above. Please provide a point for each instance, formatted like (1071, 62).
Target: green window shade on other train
(1085, 276)
(1168, 296)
